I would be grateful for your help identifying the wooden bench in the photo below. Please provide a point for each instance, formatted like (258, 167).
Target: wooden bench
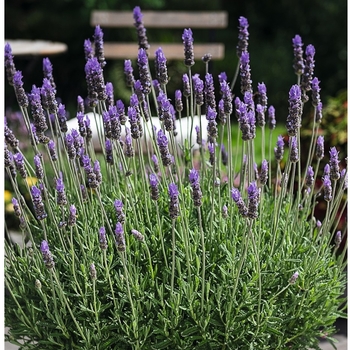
(161, 20)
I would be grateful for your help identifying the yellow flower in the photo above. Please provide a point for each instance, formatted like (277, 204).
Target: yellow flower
(7, 196)
(31, 180)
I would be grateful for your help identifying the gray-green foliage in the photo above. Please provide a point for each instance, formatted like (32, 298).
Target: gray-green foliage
(246, 300)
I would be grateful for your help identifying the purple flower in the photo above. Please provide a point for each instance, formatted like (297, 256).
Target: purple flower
(222, 117)
(178, 100)
(16, 207)
(98, 44)
(155, 163)
(337, 239)
(48, 92)
(308, 69)
(62, 118)
(72, 219)
(207, 58)
(61, 195)
(47, 70)
(294, 117)
(264, 172)
(226, 97)
(140, 28)
(110, 94)
(236, 196)
(186, 85)
(119, 236)
(138, 235)
(160, 67)
(262, 97)
(145, 77)
(134, 121)
(212, 125)
(253, 200)
(198, 88)
(47, 256)
(39, 171)
(222, 77)
(187, 39)
(334, 164)
(279, 149)
(315, 90)
(298, 63)
(52, 150)
(260, 116)
(211, 149)
(38, 204)
(246, 82)
(318, 116)
(320, 147)
(95, 81)
(153, 181)
(118, 206)
(196, 190)
(209, 94)
(128, 71)
(174, 210)
(294, 153)
(163, 148)
(80, 103)
(22, 98)
(294, 277)
(129, 150)
(19, 163)
(327, 188)
(243, 36)
(103, 238)
(271, 117)
(309, 177)
(10, 138)
(109, 152)
(97, 172)
(9, 64)
(88, 50)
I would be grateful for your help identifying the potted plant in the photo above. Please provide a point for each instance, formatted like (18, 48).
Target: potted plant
(149, 245)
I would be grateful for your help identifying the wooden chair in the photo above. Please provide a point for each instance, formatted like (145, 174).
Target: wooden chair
(161, 20)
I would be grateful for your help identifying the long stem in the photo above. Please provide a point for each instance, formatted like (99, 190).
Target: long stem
(203, 256)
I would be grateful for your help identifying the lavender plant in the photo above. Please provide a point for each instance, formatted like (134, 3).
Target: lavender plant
(143, 243)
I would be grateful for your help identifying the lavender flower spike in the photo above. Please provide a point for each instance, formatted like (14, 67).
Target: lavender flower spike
(243, 36)
(103, 238)
(22, 98)
(186, 85)
(163, 148)
(279, 149)
(294, 153)
(47, 256)
(253, 200)
(236, 196)
(153, 181)
(263, 176)
(92, 270)
(294, 277)
(174, 210)
(20, 166)
(138, 235)
(327, 188)
(9, 64)
(196, 190)
(61, 195)
(39, 171)
(72, 219)
(319, 147)
(95, 82)
(160, 67)
(187, 39)
(294, 117)
(140, 28)
(334, 164)
(98, 44)
(119, 236)
(38, 204)
(271, 117)
(145, 77)
(298, 55)
(246, 82)
(309, 177)
(128, 71)
(309, 69)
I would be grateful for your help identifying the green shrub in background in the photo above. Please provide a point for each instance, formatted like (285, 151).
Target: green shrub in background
(154, 246)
